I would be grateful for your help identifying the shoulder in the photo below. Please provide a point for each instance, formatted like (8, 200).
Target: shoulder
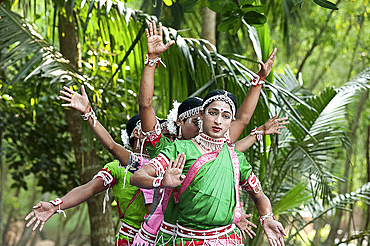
(113, 167)
(183, 145)
(241, 157)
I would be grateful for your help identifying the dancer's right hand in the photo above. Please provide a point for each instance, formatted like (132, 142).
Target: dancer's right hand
(173, 176)
(75, 100)
(42, 211)
(155, 41)
(244, 226)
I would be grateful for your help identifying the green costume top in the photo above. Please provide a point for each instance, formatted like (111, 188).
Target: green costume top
(155, 146)
(209, 196)
(131, 211)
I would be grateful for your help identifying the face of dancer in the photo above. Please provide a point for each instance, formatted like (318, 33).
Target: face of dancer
(189, 127)
(217, 118)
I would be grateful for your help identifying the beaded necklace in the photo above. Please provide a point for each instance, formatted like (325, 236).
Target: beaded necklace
(208, 143)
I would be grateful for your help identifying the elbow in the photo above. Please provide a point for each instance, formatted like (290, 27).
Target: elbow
(244, 119)
(145, 103)
(133, 180)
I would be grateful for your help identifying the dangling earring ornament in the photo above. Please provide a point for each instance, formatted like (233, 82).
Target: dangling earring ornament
(138, 143)
(180, 134)
(200, 125)
(227, 136)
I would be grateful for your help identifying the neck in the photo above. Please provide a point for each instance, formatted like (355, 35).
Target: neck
(208, 143)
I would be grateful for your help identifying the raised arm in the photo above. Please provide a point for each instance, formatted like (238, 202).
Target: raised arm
(155, 48)
(82, 104)
(42, 211)
(270, 127)
(273, 229)
(245, 111)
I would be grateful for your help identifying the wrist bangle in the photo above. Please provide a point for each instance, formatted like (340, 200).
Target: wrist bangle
(151, 62)
(91, 114)
(157, 182)
(257, 81)
(259, 136)
(269, 215)
(58, 202)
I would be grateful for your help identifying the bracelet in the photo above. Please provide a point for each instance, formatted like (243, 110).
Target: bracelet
(269, 215)
(257, 81)
(151, 63)
(157, 182)
(259, 135)
(57, 202)
(91, 114)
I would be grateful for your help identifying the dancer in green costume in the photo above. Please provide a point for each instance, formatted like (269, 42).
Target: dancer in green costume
(207, 206)
(132, 206)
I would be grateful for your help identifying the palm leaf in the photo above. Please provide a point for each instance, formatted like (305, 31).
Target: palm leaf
(22, 40)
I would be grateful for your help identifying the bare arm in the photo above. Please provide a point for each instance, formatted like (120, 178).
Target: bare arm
(42, 211)
(82, 104)
(144, 177)
(270, 127)
(245, 111)
(155, 48)
(273, 229)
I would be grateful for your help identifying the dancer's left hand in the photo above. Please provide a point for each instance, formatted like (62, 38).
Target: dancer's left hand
(274, 231)
(244, 224)
(173, 176)
(267, 66)
(274, 124)
(155, 40)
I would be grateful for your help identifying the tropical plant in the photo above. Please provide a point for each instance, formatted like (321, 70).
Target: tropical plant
(113, 65)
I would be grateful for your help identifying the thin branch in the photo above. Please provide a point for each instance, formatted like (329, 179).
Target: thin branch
(316, 41)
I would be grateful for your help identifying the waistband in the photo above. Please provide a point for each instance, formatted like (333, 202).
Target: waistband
(145, 235)
(127, 230)
(204, 234)
(168, 228)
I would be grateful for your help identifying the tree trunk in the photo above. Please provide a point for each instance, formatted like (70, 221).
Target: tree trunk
(102, 231)
(209, 25)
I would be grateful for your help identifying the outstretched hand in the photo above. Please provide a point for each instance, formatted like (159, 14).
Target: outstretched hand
(173, 176)
(274, 231)
(155, 40)
(274, 124)
(267, 66)
(42, 211)
(75, 100)
(244, 224)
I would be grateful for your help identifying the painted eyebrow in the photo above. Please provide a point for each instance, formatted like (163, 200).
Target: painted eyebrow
(216, 109)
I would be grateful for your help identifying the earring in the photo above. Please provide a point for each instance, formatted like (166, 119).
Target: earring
(138, 143)
(180, 134)
(200, 125)
(227, 137)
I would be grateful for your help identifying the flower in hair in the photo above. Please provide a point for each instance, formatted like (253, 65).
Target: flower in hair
(125, 139)
(172, 117)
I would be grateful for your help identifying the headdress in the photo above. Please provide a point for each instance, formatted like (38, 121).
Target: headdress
(189, 107)
(221, 97)
(190, 112)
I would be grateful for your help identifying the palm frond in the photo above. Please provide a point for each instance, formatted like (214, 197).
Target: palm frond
(23, 42)
(341, 201)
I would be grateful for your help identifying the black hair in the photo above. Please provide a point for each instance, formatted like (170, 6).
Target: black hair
(189, 103)
(130, 126)
(220, 92)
